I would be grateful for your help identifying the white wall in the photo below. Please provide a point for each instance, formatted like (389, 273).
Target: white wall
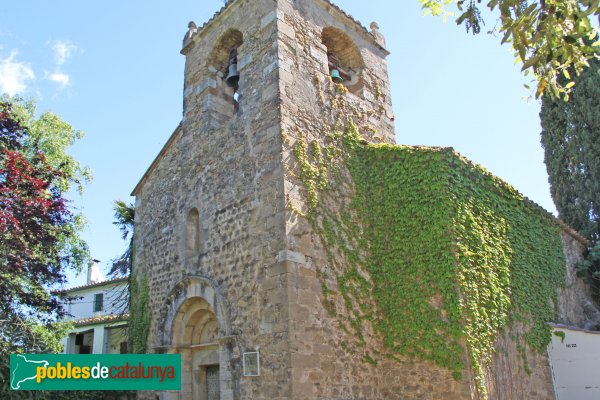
(115, 301)
(102, 338)
(113, 337)
(575, 364)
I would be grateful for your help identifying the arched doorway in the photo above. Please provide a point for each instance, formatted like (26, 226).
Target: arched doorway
(195, 336)
(194, 322)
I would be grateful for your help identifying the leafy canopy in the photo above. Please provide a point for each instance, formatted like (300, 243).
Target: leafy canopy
(570, 137)
(39, 234)
(551, 38)
(124, 217)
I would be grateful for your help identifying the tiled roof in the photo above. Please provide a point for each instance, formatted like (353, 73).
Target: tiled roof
(91, 285)
(100, 319)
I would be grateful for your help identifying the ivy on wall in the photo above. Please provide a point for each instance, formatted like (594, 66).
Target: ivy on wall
(429, 250)
(139, 320)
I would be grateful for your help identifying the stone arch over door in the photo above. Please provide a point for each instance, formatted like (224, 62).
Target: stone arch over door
(194, 323)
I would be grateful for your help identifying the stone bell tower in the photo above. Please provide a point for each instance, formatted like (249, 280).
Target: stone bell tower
(231, 269)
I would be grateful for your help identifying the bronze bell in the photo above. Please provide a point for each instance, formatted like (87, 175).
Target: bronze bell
(336, 76)
(233, 76)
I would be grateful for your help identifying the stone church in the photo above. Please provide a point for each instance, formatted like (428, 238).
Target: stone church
(233, 267)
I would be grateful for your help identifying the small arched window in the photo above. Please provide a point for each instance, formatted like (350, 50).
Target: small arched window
(192, 232)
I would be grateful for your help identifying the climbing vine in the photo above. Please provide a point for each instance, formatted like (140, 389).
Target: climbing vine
(431, 252)
(139, 320)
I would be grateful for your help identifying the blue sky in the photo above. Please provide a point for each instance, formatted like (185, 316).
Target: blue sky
(113, 70)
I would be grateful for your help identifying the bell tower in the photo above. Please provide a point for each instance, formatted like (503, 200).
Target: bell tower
(230, 266)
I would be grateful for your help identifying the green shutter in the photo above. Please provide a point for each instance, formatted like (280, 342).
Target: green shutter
(98, 302)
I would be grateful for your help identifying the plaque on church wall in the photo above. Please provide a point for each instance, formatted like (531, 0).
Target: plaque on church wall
(251, 364)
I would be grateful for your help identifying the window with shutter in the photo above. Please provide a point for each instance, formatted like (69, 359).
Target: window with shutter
(98, 302)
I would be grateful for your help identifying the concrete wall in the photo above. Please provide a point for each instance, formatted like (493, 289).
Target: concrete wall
(575, 360)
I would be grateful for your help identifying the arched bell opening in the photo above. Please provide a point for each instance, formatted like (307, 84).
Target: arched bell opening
(223, 61)
(344, 60)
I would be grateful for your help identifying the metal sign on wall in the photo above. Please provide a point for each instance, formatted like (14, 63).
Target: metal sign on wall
(251, 363)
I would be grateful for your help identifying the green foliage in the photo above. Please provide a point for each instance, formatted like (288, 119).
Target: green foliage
(511, 252)
(484, 255)
(430, 250)
(139, 315)
(51, 135)
(39, 234)
(27, 336)
(124, 219)
(409, 260)
(561, 335)
(550, 37)
(570, 137)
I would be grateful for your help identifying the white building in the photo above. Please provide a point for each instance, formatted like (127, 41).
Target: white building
(99, 312)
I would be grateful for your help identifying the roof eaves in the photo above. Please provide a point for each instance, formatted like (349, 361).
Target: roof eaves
(157, 159)
(356, 22)
(101, 319)
(92, 285)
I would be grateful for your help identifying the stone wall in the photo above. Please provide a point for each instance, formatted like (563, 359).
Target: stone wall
(217, 213)
(507, 378)
(576, 307)
(325, 362)
(225, 161)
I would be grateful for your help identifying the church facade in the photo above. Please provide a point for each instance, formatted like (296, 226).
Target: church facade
(233, 264)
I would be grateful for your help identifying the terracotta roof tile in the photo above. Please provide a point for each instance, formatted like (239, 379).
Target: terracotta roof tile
(101, 319)
(91, 285)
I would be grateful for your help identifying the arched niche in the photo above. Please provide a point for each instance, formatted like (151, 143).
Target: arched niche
(192, 232)
(343, 55)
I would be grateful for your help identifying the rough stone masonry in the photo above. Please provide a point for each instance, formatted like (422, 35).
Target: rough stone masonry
(231, 267)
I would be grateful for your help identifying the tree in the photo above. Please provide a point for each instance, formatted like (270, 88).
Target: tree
(39, 237)
(139, 298)
(571, 141)
(39, 233)
(124, 217)
(552, 38)
(122, 266)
